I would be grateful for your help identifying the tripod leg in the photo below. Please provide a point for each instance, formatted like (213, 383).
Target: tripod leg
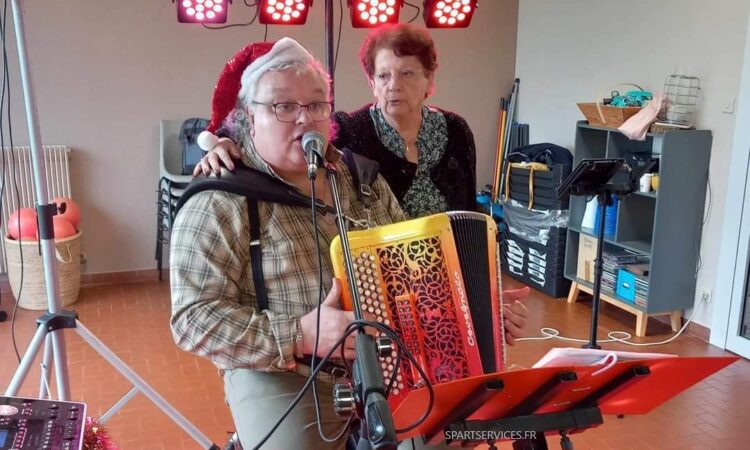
(26, 361)
(60, 354)
(46, 361)
(116, 407)
(141, 385)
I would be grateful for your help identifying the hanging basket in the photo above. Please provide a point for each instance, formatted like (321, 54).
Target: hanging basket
(33, 292)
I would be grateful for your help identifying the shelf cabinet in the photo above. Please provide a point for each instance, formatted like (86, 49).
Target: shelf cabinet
(665, 224)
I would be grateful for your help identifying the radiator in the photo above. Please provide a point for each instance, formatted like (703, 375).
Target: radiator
(17, 182)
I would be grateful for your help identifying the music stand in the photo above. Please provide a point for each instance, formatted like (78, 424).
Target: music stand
(602, 178)
(524, 406)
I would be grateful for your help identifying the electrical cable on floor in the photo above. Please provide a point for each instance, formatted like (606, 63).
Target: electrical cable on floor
(551, 333)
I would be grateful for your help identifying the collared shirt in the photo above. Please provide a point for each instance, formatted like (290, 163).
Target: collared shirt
(423, 197)
(214, 306)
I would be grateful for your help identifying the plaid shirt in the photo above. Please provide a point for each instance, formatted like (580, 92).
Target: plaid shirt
(214, 306)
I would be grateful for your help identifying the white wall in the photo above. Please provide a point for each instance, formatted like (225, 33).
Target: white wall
(571, 51)
(730, 279)
(106, 72)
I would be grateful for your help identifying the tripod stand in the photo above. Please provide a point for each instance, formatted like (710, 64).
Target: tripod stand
(52, 324)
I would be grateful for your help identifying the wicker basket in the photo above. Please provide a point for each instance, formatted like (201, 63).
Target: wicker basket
(606, 115)
(34, 291)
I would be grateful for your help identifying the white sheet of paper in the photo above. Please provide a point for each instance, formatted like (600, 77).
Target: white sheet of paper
(569, 356)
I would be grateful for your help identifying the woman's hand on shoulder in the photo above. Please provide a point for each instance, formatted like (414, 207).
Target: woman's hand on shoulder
(222, 155)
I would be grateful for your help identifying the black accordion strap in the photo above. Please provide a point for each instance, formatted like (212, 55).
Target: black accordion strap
(256, 253)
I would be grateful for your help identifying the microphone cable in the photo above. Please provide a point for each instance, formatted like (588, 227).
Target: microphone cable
(350, 329)
(321, 293)
(305, 387)
(428, 384)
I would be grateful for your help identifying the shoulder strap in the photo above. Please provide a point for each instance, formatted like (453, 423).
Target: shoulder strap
(256, 254)
(248, 182)
(364, 172)
(255, 186)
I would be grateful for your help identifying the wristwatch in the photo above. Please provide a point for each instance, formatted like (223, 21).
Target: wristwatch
(299, 349)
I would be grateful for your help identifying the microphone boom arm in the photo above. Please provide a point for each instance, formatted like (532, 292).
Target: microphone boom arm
(379, 431)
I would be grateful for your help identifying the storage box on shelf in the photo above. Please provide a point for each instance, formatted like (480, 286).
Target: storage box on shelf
(538, 265)
(665, 224)
(538, 260)
(542, 184)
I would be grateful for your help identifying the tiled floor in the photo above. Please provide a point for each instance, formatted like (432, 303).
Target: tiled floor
(132, 320)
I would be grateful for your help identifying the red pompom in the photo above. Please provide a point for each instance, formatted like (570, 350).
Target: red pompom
(22, 224)
(72, 212)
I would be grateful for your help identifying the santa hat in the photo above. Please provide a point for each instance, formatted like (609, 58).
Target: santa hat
(240, 78)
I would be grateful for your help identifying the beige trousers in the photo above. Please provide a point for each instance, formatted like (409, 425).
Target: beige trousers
(258, 399)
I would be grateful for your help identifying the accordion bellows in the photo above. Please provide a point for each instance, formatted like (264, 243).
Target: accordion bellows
(434, 281)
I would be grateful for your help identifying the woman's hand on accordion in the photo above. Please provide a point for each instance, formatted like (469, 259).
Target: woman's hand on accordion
(515, 313)
(333, 323)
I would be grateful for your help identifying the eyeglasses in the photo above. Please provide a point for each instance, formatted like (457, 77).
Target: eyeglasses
(289, 112)
(407, 75)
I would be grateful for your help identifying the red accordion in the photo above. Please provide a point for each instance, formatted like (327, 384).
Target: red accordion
(434, 280)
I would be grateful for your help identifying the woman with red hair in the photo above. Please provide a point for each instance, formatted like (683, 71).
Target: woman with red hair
(427, 155)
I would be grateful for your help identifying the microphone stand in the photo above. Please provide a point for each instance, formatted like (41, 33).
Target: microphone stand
(604, 178)
(604, 197)
(378, 429)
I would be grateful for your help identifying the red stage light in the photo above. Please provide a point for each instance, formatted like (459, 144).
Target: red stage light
(448, 13)
(202, 11)
(283, 12)
(372, 13)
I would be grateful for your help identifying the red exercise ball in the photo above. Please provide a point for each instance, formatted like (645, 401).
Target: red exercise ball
(63, 228)
(27, 230)
(72, 212)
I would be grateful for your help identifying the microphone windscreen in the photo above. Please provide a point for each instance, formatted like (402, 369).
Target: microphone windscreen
(314, 142)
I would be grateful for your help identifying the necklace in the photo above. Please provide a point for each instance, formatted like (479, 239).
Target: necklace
(409, 150)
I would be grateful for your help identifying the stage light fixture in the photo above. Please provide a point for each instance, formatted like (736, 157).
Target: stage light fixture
(448, 13)
(283, 12)
(202, 11)
(373, 13)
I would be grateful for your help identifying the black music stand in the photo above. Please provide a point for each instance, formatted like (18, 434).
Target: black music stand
(602, 178)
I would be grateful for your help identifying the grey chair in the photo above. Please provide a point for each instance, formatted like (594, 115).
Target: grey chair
(172, 183)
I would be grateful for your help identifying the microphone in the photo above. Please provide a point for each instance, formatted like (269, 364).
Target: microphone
(314, 145)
